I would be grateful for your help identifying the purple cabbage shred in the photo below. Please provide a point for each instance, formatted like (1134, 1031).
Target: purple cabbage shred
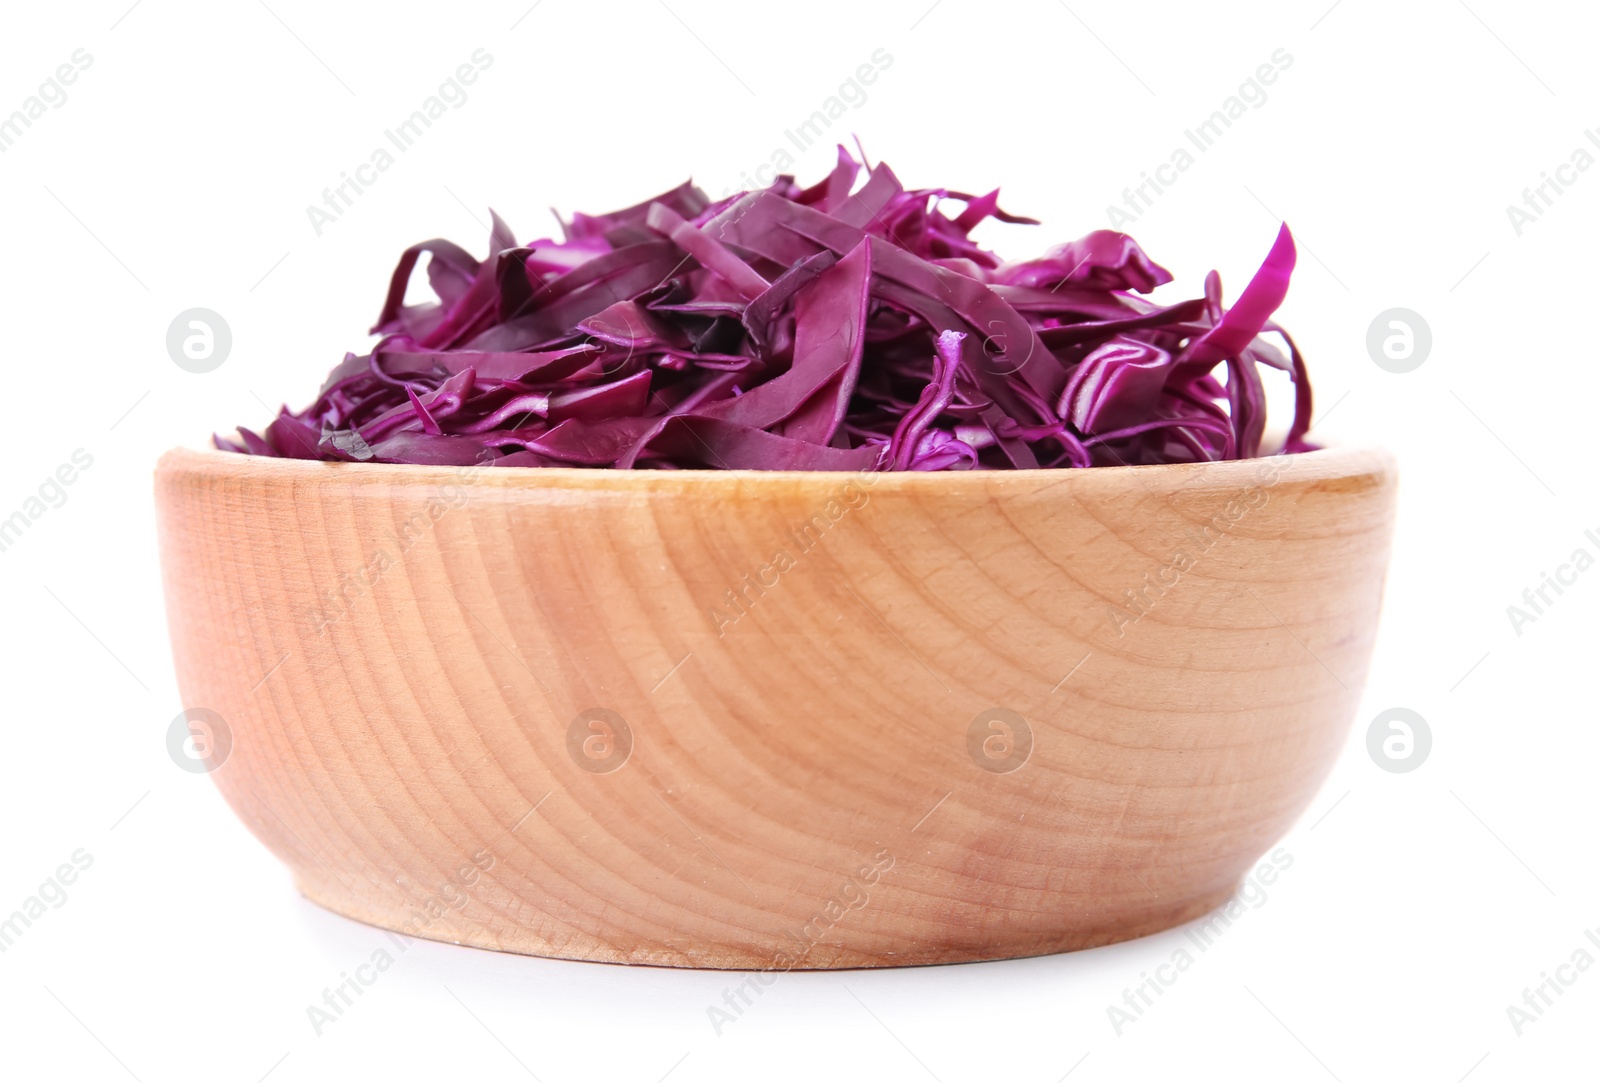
(836, 327)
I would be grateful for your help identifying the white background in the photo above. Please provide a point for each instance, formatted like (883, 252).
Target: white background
(1419, 906)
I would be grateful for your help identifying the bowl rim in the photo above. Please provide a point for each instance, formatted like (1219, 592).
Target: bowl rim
(1335, 461)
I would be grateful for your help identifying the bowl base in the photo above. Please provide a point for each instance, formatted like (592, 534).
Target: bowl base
(459, 930)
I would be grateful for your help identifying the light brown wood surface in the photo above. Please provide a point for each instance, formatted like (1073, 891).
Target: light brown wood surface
(399, 655)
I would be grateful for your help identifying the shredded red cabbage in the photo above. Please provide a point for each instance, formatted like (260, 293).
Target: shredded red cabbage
(836, 327)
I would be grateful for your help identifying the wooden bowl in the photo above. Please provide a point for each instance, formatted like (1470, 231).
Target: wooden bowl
(772, 720)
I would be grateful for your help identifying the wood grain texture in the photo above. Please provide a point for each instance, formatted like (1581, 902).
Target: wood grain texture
(419, 667)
